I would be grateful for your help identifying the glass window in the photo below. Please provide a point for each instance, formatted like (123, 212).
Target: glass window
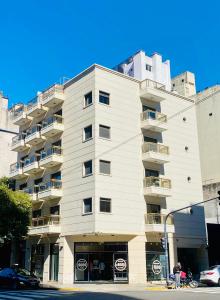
(87, 168)
(148, 67)
(153, 173)
(87, 205)
(105, 205)
(55, 210)
(105, 167)
(87, 134)
(104, 131)
(104, 98)
(88, 99)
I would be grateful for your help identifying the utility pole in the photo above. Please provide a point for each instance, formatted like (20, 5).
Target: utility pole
(165, 230)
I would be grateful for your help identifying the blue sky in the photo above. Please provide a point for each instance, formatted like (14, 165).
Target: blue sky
(44, 40)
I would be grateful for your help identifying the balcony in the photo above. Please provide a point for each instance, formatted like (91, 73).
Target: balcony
(45, 225)
(53, 96)
(32, 192)
(153, 120)
(20, 117)
(154, 222)
(152, 90)
(52, 126)
(51, 157)
(31, 165)
(156, 153)
(50, 190)
(18, 143)
(35, 108)
(34, 136)
(16, 171)
(157, 187)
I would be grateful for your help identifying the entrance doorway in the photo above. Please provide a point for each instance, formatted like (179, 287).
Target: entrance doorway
(102, 262)
(54, 262)
(37, 260)
(155, 261)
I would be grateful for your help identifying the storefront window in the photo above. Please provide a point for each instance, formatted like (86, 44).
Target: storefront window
(155, 260)
(37, 260)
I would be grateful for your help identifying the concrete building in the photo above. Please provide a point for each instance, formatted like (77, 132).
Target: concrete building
(104, 158)
(184, 84)
(7, 131)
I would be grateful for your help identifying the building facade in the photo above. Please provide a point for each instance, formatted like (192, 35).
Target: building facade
(104, 158)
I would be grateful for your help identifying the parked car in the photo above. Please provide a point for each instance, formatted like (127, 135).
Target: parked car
(211, 277)
(18, 277)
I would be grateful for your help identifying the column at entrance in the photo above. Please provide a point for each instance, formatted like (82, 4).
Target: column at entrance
(137, 259)
(66, 260)
(172, 251)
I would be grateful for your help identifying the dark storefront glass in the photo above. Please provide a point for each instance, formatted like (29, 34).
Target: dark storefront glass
(101, 262)
(37, 260)
(155, 260)
(54, 261)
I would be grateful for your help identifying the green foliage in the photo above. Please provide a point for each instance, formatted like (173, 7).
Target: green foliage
(15, 207)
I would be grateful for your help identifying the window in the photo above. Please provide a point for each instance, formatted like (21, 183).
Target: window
(88, 99)
(55, 210)
(87, 133)
(104, 98)
(22, 186)
(87, 206)
(148, 67)
(105, 167)
(104, 132)
(87, 168)
(149, 173)
(105, 205)
(148, 139)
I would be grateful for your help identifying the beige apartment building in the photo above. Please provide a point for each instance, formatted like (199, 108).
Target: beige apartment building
(104, 158)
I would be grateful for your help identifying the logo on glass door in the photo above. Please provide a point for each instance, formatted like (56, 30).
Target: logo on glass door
(81, 264)
(156, 267)
(120, 264)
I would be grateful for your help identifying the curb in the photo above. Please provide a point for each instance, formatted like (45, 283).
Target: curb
(69, 289)
(156, 288)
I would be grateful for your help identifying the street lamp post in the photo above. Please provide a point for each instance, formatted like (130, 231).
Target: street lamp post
(165, 230)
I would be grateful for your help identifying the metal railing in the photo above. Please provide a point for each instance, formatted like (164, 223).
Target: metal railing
(157, 182)
(34, 129)
(51, 120)
(153, 115)
(49, 185)
(15, 167)
(154, 147)
(45, 220)
(18, 138)
(33, 102)
(30, 160)
(49, 152)
(51, 91)
(152, 84)
(29, 190)
(156, 218)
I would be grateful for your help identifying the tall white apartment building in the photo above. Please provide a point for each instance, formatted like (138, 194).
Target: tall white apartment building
(104, 158)
(7, 131)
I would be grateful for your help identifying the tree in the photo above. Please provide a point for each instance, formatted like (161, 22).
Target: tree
(15, 208)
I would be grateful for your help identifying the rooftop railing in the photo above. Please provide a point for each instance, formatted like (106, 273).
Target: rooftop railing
(153, 115)
(157, 182)
(156, 218)
(152, 84)
(154, 147)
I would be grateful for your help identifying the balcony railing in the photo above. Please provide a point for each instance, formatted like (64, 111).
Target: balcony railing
(15, 167)
(30, 160)
(154, 147)
(18, 138)
(52, 184)
(46, 220)
(17, 113)
(51, 91)
(51, 151)
(157, 182)
(153, 115)
(51, 120)
(33, 102)
(156, 218)
(34, 129)
(152, 84)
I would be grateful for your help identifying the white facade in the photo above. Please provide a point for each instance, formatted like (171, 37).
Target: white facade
(184, 84)
(141, 66)
(154, 169)
(7, 131)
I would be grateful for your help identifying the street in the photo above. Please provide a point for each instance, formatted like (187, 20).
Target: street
(212, 293)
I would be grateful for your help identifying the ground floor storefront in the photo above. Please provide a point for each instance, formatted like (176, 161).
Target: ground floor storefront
(105, 259)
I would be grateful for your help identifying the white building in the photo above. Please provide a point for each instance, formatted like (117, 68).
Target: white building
(7, 131)
(105, 157)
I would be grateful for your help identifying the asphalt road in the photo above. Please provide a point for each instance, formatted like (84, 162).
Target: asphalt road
(189, 294)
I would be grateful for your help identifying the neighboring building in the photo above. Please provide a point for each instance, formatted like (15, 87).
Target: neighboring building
(7, 131)
(105, 157)
(184, 84)
(208, 115)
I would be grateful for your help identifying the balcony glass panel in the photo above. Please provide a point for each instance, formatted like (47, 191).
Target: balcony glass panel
(52, 184)
(36, 128)
(153, 115)
(157, 182)
(155, 218)
(51, 120)
(49, 152)
(46, 220)
(154, 147)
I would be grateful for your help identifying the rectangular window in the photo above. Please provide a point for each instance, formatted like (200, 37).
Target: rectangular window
(87, 133)
(105, 167)
(87, 168)
(148, 67)
(104, 98)
(105, 205)
(87, 205)
(149, 173)
(55, 210)
(88, 99)
(104, 132)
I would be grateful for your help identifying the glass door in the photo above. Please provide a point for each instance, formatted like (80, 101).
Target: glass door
(81, 267)
(120, 267)
(54, 262)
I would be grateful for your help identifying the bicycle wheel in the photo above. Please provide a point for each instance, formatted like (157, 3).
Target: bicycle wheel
(193, 284)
